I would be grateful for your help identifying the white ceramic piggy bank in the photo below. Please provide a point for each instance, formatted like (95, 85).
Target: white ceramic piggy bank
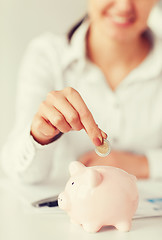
(99, 196)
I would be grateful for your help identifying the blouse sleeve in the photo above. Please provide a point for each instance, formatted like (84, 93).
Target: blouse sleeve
(22, 157)
(154, 157)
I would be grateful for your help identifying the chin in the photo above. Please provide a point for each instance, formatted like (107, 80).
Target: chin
(118, 33)
(119, 37)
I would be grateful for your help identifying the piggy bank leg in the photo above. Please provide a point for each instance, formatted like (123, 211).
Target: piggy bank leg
(91, 227)
(124, 226)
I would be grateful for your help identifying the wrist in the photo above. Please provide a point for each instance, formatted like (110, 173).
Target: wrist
(144, 166)
(45, 140)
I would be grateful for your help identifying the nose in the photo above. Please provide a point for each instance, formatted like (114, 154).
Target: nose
(125, 5)
(63, 201)
(59, 199)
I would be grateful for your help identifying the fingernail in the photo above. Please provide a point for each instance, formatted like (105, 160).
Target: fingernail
(101, 139)
(97, 141)
(104, 135)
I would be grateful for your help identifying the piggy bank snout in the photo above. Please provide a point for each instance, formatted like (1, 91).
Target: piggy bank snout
(63, 201)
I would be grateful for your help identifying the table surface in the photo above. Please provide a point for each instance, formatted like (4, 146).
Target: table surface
(18, 222)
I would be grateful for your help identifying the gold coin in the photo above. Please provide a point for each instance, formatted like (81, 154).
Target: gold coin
(104, 149)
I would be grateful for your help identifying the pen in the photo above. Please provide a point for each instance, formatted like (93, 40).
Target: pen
(47, 202)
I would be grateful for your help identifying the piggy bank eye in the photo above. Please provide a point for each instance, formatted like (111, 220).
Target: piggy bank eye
(72, 183)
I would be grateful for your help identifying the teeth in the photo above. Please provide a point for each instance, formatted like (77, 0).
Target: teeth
(121, 19)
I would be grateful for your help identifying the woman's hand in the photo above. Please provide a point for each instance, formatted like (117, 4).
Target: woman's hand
(131, 163)
(63, 111)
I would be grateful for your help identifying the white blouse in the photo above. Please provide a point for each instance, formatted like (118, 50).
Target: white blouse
(131, 115)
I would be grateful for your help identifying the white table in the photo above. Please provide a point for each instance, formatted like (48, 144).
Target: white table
(17, 222)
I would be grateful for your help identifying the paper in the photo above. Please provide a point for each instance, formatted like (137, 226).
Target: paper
(150, 199)
(149, 207)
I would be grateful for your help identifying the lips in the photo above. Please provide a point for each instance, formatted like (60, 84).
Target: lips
(123, 20)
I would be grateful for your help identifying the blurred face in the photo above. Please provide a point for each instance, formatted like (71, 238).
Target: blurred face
(120, 19)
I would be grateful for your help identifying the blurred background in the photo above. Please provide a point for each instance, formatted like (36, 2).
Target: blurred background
(21, 21)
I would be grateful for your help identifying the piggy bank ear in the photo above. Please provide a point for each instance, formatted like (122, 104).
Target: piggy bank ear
(94, 177)
(75, 167)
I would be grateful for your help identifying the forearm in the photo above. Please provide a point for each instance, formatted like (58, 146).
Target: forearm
(22, 159)
(131, 163)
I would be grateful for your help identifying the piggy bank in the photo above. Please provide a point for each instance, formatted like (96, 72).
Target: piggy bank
(99, 196)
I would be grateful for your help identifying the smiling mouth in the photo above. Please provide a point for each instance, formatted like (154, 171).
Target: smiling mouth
(120, 20)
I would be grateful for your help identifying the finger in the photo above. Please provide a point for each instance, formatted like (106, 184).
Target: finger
(86, 117)
(52, 115)
(41, 129)
(67, 110)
